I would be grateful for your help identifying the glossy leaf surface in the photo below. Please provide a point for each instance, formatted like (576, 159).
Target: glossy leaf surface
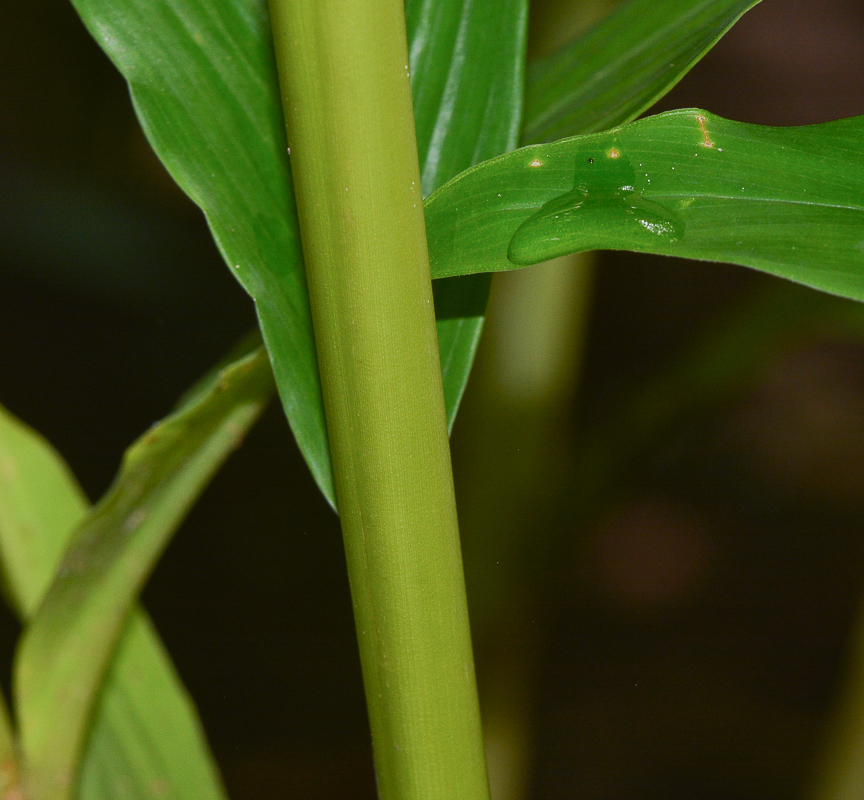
(623, 65)
(467, 80)
(144, 719)
(203, 82)
(66, 650)
(204, 86)
(788, 201)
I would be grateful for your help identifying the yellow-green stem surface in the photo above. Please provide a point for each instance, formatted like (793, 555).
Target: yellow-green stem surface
(343, 68)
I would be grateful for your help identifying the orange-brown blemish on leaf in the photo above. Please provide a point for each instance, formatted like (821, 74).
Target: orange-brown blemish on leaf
(536, 163)
(707, 143)
(613, 153)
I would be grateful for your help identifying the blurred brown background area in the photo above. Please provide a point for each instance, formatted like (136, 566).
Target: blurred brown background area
(693, 638)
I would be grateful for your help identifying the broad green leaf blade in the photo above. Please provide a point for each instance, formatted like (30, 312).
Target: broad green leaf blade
(204, 86)
(788, 201)
(66, 650)
(146, 732)
(623, 65)
(203, 82)
(467, 61)
(144, 718)
(40, 505)
(467, 80)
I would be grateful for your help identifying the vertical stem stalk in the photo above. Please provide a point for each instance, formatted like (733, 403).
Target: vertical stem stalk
(343, 67)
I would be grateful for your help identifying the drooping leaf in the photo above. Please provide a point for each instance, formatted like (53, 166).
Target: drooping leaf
(467, 80)
(144, 718)
(788, 201)
(203, 83)
(623, 65)
(67, 649)
(204, 86)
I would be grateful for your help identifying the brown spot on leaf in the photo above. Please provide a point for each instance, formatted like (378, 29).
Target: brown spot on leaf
(707, 143)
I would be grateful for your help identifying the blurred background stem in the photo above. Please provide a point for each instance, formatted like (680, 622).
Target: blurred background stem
(518, 412)
(839, 770)
(553, 483)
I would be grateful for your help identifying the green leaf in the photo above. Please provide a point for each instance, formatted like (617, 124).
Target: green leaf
(40, 505)
(146, 736)
(204, 86)
(144, 718)
(67, 648)
(788, 201)
(623, 65)
(460, 309)
(467, 79)
(203, 83)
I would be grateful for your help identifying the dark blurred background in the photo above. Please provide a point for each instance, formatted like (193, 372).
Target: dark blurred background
(665, 570)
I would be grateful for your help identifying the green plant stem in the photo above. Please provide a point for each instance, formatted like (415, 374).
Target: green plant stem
(346, 93)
